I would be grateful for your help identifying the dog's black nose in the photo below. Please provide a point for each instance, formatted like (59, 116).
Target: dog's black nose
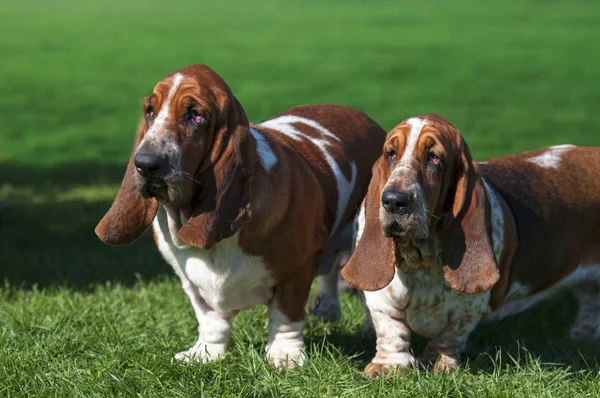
(395, 201)
(149, 164)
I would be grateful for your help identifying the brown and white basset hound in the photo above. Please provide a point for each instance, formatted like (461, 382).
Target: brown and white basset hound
(444, 242)
(244, 213)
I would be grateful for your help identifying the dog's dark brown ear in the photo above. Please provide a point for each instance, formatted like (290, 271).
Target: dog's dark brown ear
(469, 263)
(223, 203)
(371, 266)
(130, 214)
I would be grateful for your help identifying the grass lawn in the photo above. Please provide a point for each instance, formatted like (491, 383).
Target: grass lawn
(78, 318)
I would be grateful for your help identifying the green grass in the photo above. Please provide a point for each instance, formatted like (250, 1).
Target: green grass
(78, 318)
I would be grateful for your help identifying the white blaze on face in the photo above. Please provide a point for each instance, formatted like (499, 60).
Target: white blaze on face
(158, 124)
(416, 125)
(410, 148)
(285, 125)
(552, 157)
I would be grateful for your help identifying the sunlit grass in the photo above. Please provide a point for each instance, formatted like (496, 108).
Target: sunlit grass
(78, 318)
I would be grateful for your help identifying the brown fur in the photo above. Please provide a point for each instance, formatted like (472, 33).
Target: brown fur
(467, 256)
(130, 214)
(546, 204)
(372, 264)
(284, 216)
(556, 212)
(290, 230)
(223, 205)
(549, 204)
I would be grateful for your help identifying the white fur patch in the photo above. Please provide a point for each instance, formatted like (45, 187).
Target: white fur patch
(552, 157)
(428, 301)
(497, 220)
(285, 344)
(265, 153)
(359, 224)
(226, 278)
(285, 125)
(417, 125)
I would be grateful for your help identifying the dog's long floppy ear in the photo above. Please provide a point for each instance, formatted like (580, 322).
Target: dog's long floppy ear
(469, 263)
(371, 266)
(130, 214)
(222, 205)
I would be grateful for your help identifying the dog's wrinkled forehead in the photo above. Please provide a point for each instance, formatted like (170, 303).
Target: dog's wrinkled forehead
(196, 83)
(445, 131)
(407, 138)
(196, 87)
(404, 139)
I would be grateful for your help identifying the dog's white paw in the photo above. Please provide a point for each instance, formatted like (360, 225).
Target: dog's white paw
(282, 357)
(202, 352)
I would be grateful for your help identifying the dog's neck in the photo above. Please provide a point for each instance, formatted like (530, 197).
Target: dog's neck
(175, 220)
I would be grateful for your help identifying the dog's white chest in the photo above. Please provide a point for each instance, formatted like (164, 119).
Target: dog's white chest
(427, 303)
(226, 278)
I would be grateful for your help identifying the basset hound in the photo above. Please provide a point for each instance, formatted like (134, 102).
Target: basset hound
(244, 213)
(444, 242)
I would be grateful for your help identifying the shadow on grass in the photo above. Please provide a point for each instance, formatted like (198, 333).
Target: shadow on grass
(540, 334)
(64, 175)
(46, 240)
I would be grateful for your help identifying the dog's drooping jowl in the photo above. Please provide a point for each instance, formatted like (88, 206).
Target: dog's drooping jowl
(444, 242)
(245, 213)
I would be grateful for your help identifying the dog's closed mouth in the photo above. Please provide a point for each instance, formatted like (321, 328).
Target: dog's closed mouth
(153, 187)
(154, 184)
(400, 235)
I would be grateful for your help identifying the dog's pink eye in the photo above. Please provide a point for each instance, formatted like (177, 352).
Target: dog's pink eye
(433, 158)
(149, 111)
(196, 117)
(391, 155)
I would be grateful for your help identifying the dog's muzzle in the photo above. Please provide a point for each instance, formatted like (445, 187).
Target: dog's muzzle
(151, 170)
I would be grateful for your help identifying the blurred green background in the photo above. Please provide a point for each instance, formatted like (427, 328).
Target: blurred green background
(511, 75)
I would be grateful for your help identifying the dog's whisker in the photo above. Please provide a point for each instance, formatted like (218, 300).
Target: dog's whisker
(433, 215)
(423, 219)
(188, 175)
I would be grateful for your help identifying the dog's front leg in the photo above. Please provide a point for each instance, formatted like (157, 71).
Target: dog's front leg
(393, 343)
(444, 351)
(214, 330)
